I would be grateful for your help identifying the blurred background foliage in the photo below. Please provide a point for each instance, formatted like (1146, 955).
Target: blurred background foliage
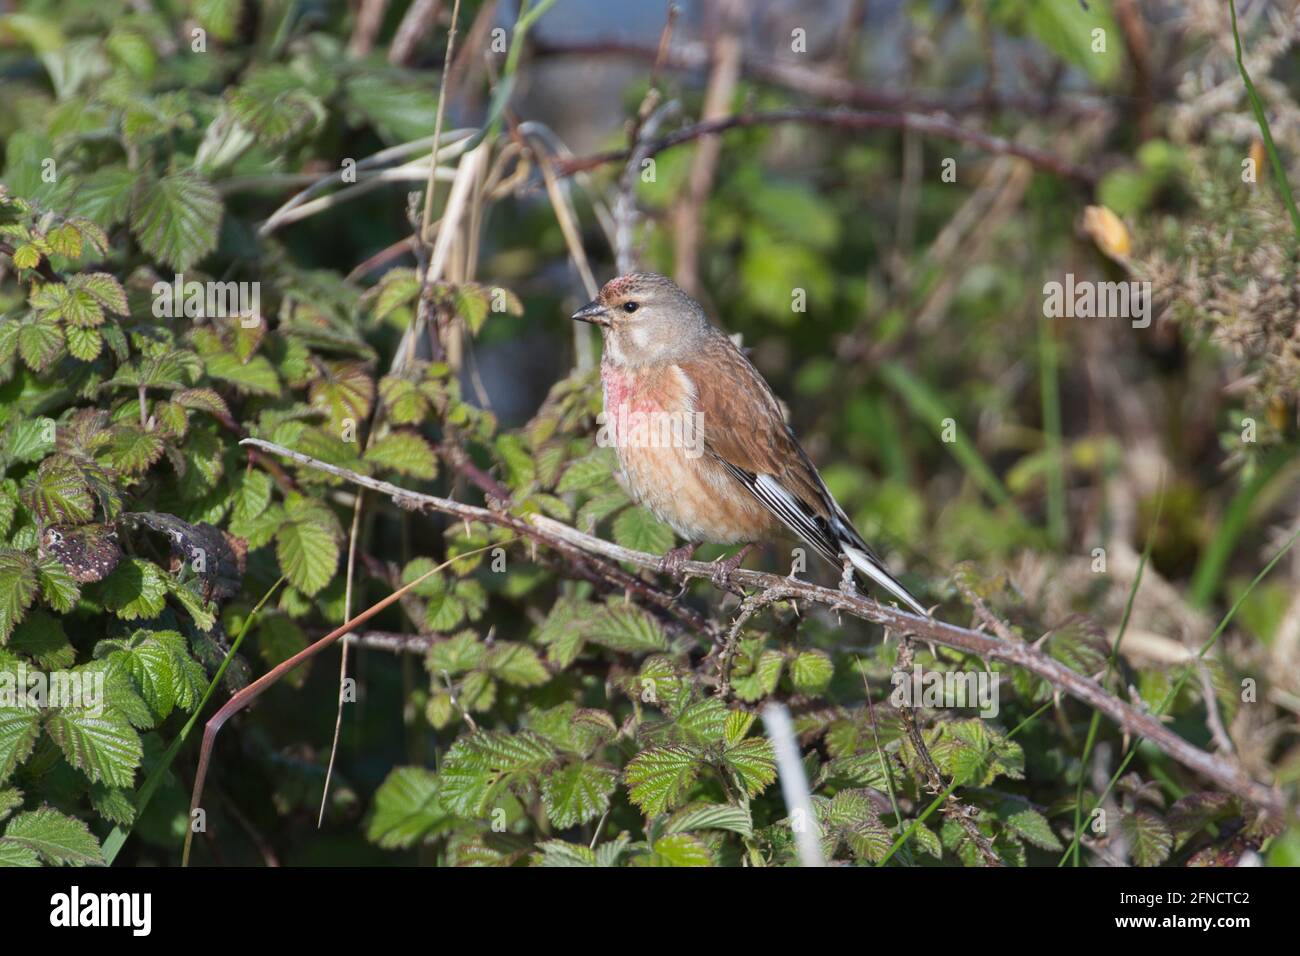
(961, 427)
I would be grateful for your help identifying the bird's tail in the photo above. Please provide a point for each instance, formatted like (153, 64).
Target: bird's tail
(865, 561)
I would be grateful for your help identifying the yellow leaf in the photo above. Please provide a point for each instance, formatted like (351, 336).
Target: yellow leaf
(1107, 230)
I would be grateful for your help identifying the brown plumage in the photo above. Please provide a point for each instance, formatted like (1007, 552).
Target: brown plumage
(733, 471)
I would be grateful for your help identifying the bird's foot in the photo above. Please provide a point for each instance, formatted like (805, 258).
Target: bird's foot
(723, 567)
(671, 563)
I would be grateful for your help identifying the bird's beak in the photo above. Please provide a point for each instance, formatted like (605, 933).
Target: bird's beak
(593, 312)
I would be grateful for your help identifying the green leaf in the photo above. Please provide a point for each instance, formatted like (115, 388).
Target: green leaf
(711, 816)
(577, 793)
(29, 439)
(151, 664)
(19, 728)
(560, 853)
(637, 529)
(481, 764)
(1149, 836)
(175, 218)
(704, 722)
(811, 671)
(41, 638)
(133, 450)
(57, 838)
(308, 554)
(737, 726)
(406, 453)
(762, 677)
(272, 102)
(113, 804)
(517, 664)
(624, 627)
(13, 853)
(868, 839)
(658, 778)
(406, 809)
(398, 288)
(17, 589)
(104, 747)
(137, 589)
(40, 341)
(681, 849)
(57, 493)
(586, 473)
(753, 762)
(1033, 826)
(84, 344)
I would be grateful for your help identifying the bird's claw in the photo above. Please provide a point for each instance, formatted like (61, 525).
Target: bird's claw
(672, 562)
(722, 568)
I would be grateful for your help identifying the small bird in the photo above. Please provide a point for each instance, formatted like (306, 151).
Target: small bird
(734, 473)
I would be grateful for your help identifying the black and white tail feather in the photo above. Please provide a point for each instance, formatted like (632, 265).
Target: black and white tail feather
(835, 539)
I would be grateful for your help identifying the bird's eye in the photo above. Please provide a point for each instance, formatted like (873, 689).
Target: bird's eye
(630, 307)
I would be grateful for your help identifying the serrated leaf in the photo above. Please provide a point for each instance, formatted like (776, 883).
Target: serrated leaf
(404, 452)
(19, 728)
(40, 342)
(869, 839)
(560, 853)
(57, 493)
(175, 218)
(811, 671)
(637, 529)
(711, 816)
(762, 677)
(56, 837)
(105, 747)
(481, 764)
(577, 793)
(682, 849)
(737, 726)
(658, 778)
(406, 809)
(753, 762)
(136, 590)
(624, 627)
(585, 473)
(517, 664)
(1150, 838)
(84, 344)
(1033, 826)
(703, 722)
(308, 554)
(18, 588)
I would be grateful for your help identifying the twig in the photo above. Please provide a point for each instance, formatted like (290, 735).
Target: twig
(953, 807)
(727, 49)
(369, 19)
(417, 22)
(826, 86)
(563, 537)
(853, 120)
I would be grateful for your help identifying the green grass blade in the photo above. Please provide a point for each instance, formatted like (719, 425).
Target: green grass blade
(1177, 688)
(113, 844)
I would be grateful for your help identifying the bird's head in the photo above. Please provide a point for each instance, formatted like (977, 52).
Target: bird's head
(646, 319)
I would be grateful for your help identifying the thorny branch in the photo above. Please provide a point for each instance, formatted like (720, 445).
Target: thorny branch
(577, 546)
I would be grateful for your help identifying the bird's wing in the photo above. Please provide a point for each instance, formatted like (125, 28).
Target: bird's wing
(745, 430)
